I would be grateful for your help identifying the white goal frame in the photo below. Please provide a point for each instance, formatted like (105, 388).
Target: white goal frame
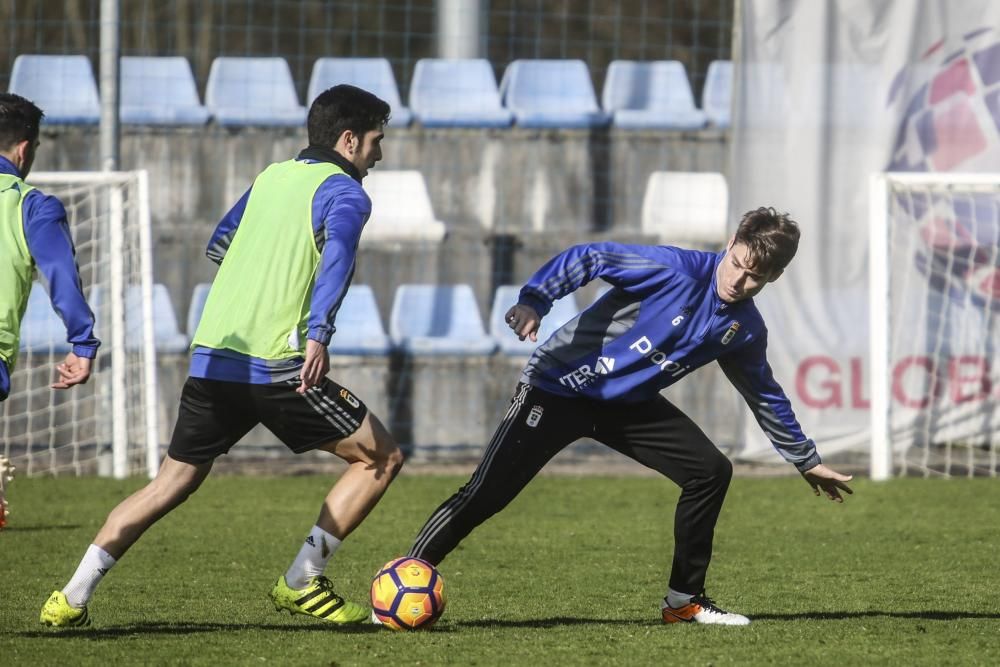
(881, 463)
(115, 348)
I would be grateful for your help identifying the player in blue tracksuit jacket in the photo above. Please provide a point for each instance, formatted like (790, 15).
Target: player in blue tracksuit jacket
(46, 235)
(669, 312)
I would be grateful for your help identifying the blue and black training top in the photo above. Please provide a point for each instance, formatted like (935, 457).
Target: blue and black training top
(662, 319)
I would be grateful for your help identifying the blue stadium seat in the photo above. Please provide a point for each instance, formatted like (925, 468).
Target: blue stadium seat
(372, 74)
(562, 312)
(456, 93)
(159, 91)
(686, 208)
(167, 337)
(551, 93)
(650, 95)
(253, 91)
(198, 298)
(359, 326)
(716, 97)
(41, 329)
(401, 209)
(438, 320)
(62, 86)
(166, 333)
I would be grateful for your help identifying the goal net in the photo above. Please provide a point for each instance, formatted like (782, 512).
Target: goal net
(935, 324)
(107, 426)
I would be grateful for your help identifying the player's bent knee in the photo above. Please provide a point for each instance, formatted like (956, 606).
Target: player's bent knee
(722, 472)
(175, 491)
(716, 473)
(395, 460)
(177, 480)
(386, 454)
(372, 445)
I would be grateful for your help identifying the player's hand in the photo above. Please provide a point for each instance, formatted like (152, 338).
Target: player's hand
(73, 370)
(316, 366)
(524, 321)
(829, 480)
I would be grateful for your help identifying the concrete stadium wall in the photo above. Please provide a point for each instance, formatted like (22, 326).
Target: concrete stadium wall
(509, 198)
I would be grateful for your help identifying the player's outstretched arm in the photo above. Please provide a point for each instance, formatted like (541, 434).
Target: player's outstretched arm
(524, 321)
(829, 480)
(72, 371)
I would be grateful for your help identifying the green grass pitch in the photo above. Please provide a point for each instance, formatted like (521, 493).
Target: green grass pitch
(903, 573)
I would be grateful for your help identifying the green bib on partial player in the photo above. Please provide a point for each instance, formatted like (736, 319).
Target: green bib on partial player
(16, 265)
(259, 301)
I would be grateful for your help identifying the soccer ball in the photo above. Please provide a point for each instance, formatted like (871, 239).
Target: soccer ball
(408, 594)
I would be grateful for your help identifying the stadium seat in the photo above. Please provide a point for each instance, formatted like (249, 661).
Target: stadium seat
(198, 298)
(359, 326)
(167, 336)
(159, 91)
(562, 312)
(650, 95)
(551, 93)
(42, 330)
(401, 209)
(716, 96)
(253, 91)
(438, 320)
(372, 74)
(456, 93)
(686, 207)
(62, 86)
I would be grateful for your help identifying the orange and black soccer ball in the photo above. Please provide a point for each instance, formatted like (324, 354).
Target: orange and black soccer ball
(408, 594)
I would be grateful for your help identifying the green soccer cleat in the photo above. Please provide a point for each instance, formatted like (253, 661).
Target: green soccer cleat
(317, 599)
(59, 613)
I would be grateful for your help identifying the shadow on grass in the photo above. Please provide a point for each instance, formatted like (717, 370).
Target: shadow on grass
(166, 629)
(929, 615)
(152, 629)
(556, 621)
(803, 616)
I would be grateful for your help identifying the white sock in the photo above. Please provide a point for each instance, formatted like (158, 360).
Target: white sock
(95, 564)
(676, 599)
(315, 553)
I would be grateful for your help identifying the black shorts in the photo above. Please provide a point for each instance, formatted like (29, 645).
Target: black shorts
(214, 415)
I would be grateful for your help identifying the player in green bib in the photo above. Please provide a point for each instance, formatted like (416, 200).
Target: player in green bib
(286, 254)
(35, 243)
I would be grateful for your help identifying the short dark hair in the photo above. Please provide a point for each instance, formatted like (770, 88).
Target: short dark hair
(19, 120)
(343, 108)
(771, 239)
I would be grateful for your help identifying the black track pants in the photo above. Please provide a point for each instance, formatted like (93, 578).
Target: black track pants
(539, 424)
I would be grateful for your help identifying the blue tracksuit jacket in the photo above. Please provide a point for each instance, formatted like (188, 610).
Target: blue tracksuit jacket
(662, 319)
(46, 231)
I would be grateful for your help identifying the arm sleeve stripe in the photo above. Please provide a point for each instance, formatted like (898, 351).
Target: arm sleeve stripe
(566, 281)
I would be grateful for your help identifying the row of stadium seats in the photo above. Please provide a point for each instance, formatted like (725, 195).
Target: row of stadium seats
(426, 320)
(678, 207)
(443, 92)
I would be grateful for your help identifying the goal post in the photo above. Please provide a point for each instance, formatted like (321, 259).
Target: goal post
(934, 312)
(108, 426)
